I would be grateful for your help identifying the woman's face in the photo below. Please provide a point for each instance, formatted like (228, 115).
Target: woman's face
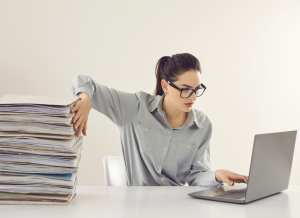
(189, 78)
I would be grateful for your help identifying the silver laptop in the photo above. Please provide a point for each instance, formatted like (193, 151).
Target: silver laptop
(270, 170)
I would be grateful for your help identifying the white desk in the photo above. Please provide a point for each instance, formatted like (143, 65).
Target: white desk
(158, 202)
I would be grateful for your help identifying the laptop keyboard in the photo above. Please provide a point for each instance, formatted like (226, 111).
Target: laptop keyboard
(233, 194)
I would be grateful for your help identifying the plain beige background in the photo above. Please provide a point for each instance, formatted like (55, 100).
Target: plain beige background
(249, 52)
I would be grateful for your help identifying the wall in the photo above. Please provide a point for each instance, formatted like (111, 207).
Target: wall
(249, 52)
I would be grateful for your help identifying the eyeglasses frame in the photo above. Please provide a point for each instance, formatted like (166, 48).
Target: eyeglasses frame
(194, 90)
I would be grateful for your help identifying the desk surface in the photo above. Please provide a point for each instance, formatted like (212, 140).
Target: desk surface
(157, 201)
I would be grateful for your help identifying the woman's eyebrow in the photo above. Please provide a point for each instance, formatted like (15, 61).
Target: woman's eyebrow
(189, 86)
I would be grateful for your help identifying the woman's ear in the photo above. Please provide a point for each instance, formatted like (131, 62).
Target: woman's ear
(164, 86)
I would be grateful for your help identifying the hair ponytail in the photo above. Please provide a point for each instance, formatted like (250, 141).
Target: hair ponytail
(159, 74)
(170, 68)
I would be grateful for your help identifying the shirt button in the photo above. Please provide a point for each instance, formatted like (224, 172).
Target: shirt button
(159, 167)
(162, 179)
(146, 130)
(188, 146)
(169, 132)
(164, 149)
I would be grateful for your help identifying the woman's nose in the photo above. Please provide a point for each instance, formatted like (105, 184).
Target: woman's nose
(193, 96)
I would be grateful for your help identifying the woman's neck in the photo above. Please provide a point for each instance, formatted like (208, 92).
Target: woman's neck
(174, 116)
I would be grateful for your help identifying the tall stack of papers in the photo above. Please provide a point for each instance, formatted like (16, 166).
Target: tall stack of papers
(39, 150)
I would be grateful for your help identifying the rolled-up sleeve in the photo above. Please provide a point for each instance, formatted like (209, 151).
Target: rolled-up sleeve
(118, 106)
(200, 173)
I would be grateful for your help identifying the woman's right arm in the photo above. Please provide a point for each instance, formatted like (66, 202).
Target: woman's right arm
(118, 106)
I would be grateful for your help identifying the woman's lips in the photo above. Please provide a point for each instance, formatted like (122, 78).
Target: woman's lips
(189, 105)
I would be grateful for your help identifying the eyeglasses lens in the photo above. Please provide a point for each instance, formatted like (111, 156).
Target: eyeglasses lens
(186, 93)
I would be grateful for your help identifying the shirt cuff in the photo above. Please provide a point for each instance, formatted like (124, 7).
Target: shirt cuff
(207, 179)
(214, 179)
(83, 89)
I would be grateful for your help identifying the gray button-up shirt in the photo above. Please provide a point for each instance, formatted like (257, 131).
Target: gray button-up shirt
(155, 154)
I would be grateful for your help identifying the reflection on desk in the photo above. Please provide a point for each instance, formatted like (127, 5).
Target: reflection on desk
(158, 201)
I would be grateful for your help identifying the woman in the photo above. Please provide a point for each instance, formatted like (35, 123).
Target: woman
(164, 140)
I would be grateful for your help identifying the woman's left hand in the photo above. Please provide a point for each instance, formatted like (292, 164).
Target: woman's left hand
(230, 177)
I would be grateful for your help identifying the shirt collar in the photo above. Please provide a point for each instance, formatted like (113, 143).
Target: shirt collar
(157, 103)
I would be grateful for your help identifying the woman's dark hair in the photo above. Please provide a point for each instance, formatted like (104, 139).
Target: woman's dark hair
(170, 68)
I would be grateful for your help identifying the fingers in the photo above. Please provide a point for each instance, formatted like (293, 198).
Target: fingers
(246, 179)
(75, 108)
(76, 117)
(84, 128)
(79, 120)
(240, 179)
(231, 178)
(80, 129)
(229, 182)
(78, 123)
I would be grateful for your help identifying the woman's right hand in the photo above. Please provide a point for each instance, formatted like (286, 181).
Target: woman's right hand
(82, 109)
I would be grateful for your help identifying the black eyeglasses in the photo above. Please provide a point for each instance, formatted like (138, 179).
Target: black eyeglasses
(187, 92)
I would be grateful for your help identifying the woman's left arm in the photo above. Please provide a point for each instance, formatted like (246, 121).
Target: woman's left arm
(200, 173)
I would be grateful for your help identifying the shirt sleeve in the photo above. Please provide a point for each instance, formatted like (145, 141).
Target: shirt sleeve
(200, 173)
(118, 106)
